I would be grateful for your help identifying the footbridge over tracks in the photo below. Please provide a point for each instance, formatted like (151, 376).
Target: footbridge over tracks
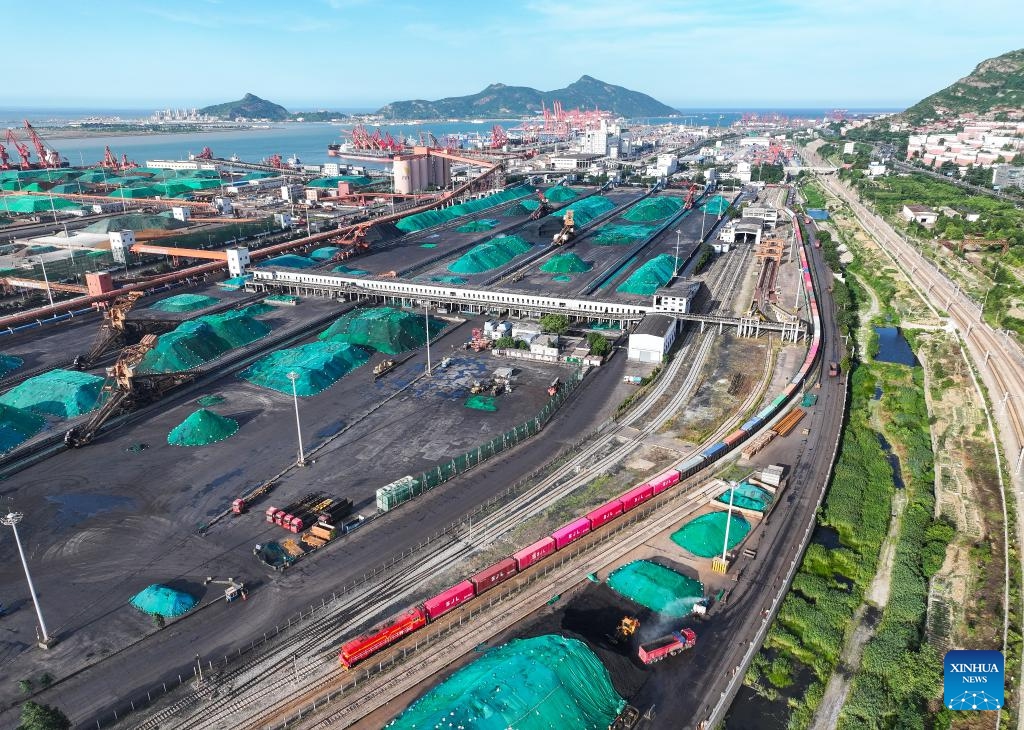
(517, 304)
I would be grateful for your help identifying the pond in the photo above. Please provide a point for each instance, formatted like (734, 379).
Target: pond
(826, 536)
(893, 347)
(894, 462)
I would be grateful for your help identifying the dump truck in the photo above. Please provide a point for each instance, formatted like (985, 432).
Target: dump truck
(666, 646)
(833, 369)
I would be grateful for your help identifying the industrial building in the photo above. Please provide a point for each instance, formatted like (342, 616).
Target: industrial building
(652, 338)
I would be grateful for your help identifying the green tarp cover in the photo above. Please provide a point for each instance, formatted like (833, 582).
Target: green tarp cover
(184, 303)
(543, 683)
(198, 341)
(319, 365)
(287, 261)
(560, 194)
(621, 233)
(650, 277)
(34, 203)
(201, 428)
(490, 255)
(748, 496)
(478, 226)
(9, 363)
(17, 425)
(565, 263)
(586, 210)
(716, 206)
(384, 329)
(523, 207)
(481, 403)
(705, 535)
(657, 588)
(325, 253)
(653, 209)
(167, 602)
(143, 191)
(61, 393)
(349, 271)
(430, 218)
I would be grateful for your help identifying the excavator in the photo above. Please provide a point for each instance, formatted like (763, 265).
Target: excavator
(626, 628)
(126, 389)
(567, 232)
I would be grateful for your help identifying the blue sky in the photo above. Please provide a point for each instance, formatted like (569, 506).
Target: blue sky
(363, 53)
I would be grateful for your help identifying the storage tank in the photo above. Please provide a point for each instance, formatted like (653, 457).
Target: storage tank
(403, 176)
(421, 177)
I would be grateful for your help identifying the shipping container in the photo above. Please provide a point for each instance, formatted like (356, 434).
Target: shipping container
(382, 636)
(444, 602)
(635, 496)
(790, 389)
(573, 531)
(604, 513)
(689, 466)
(734, 438)
(532, 553)
(399, 491)
(751, 425)
(665, 480)
(779, 400)
(493, 575)
(714, 451)
(766, 413)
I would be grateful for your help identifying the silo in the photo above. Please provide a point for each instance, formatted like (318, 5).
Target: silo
(421, 178)
(403, 176)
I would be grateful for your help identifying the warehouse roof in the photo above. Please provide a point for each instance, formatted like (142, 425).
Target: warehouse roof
(655, 324)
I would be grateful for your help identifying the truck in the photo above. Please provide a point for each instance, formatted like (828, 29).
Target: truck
(632, 379)
(666, 646)
(833, 369)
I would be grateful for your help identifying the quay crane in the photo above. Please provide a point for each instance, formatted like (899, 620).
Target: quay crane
(23, 151)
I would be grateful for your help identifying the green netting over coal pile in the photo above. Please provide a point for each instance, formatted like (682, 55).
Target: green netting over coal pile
(198, 341)
(287, 261)
(716, 206)
(586, 210)
(562, 278)
(478, 226)
(185, 303)
(657, 588)
(565, 263)
(705, 535)
(325, 253)
(210, 400)
(481, 403)
(653, 209)
(349, 271)
(430, 218)
(384, 329)
(523, 207)
(617, 235)
(201, 428)
(235, 283)
(748, 496)
(560, 194)
(61, 393)
(17, 425)
(136, 222)
(650, 277)
(528, 684)
(490, 255)
(448, 279)
(9, 363)
(319, 366)
(167, 602)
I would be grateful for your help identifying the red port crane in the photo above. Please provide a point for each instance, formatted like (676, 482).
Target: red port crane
(691, 194)
(110, 160)
(5, 159)
(499, 138)
(23, 152)
(275, 161)
(206, 154)
(48, 157)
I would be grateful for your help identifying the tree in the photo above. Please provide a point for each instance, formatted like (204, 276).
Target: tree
(557, 324)
(42, 717)
(598, 344)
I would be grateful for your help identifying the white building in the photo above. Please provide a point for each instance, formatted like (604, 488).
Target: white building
(849, 148)
(574, 161)
(666, 165)
(182, 165)
(652, 338)
(765, 213)
(1004, 176)
(120, 243)
(920, 213)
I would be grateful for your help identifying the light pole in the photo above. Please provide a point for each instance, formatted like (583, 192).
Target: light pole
(11, 519)
(46, 279)
(675, 270)
(293, 376)
(703, 220)
(426, 323)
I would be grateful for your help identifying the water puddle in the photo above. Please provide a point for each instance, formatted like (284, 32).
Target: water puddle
(893, 347)
(826, 536)
(894, 462)
(74, 509)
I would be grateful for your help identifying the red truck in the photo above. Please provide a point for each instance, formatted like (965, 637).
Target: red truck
(833, 369)
(666, 646)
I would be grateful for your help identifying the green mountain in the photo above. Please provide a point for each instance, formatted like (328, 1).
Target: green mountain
(995, 85)
(249, 106)
(498, 100)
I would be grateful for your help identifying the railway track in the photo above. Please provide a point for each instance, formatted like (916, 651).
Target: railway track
(248, 692)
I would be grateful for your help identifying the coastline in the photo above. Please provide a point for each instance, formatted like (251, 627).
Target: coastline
(77, 133)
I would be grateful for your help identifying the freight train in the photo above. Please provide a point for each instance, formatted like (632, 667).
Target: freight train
(416, 617)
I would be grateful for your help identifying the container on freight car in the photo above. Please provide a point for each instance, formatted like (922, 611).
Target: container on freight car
(734, 438)
(444, 602)
(238, 506)
(689, 466)
(751, 425)
(714, 451)
(664, 480)
(495, 574)
(636, 496)
(532, 553)
(604, 513)
(271, 511)
(790, 389)
(779, 400)
(573, 531)
(381, 636)
(765, 414)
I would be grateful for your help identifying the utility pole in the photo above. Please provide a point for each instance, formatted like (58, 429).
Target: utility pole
(675, 271)
(11, 519)
(293, 376)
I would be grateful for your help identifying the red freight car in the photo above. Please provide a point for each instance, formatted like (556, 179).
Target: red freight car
(663, 481)
(635, 496)
(734, 437)
(604, 513)
(381, 636)
(492, 576)
(532, 553)
(444, 602)
(573, 531)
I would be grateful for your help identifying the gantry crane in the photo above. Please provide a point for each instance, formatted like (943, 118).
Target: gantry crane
(112, 331)
(5, 159)
(48, 157)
